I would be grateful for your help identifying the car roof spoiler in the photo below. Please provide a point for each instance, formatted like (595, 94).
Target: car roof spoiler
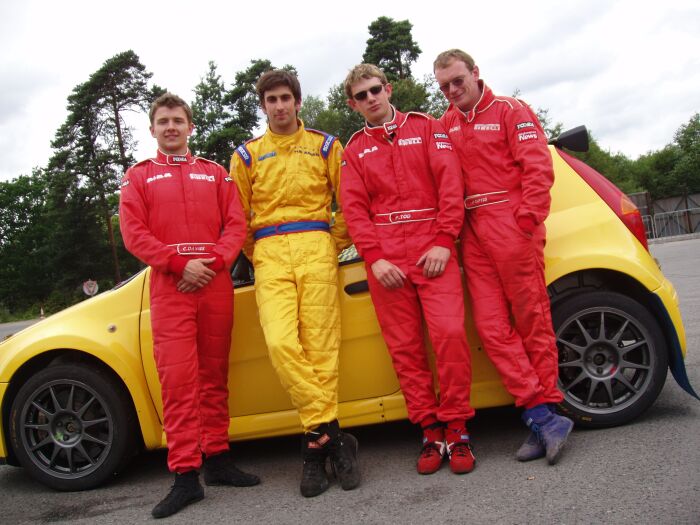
(575, 139)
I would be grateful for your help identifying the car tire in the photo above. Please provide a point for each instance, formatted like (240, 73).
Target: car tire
(72, 426)
(613, 358)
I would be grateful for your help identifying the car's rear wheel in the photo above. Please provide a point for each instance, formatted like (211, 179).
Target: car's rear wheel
(72, 426)
(612, 357)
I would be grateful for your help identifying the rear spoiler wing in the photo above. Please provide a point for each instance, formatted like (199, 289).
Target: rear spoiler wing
(575, 139)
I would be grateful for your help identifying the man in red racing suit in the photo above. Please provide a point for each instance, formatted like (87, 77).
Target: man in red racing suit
(181, 215)
(508, 174)
(402, 196)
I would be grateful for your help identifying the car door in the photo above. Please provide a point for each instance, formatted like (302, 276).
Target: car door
(365, 369)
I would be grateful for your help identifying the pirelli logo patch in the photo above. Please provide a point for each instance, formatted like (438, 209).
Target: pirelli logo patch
(524, 125)
(202, 176)
(487, 127)
(410, 141)
(527, 135)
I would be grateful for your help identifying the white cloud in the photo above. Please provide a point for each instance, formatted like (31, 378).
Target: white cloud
(629, 71)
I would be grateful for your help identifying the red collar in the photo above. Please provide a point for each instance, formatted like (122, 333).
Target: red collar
(171, 160)
(388, 128)
(484, 101)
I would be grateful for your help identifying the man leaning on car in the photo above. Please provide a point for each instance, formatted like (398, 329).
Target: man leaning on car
(181, 215)
(402, 194)
(508, 174)
(286, 179)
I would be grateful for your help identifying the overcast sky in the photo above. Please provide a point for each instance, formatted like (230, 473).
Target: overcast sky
(629, 70)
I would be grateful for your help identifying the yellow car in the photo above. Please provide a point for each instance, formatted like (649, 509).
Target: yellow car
(80, 395)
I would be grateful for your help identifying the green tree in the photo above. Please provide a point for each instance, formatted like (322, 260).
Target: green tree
(213, 138)
(24, 276)
(551, 129)
(118, 87)
(686, 172)
(409, 95)
(317, 115)
(615, 167)
(653, 171)
(437, 103)
(391, 47)
(92, 149)
(347, 121)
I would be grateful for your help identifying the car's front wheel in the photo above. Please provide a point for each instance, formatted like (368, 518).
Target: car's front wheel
(72, 426)
(612, 357)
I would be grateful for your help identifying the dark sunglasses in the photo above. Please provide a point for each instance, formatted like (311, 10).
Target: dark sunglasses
(456, 82)
(375, 90)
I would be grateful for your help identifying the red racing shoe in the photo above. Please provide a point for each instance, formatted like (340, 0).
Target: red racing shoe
(433, 450)
(459, 449)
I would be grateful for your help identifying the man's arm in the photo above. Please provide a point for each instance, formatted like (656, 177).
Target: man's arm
(234, 224)
(242, 176)
(447, 173)
(356, 208)
(133, 223)
(528, 145)
(356, 201)
(339, 229)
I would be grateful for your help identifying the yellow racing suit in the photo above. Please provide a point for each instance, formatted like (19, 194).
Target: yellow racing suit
(283, 180)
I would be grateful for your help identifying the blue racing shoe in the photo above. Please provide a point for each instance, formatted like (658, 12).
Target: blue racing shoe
(552, 430)
(531, 449)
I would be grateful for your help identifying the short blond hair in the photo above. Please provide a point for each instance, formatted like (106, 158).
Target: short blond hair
(444, 59)
(362, 71)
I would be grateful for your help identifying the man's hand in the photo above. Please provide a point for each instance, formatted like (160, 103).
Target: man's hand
(434, 261)
(196, 275)
(388, 274)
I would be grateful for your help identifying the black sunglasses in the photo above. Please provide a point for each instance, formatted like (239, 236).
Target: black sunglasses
(375, 90)
(456, 82)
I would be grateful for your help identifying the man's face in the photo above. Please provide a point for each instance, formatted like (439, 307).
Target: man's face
(371, 100)
(281, 109)
(171, 128)
(459, 85)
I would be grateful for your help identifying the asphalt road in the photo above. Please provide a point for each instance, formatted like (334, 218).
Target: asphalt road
(7, 329)
(644, 472)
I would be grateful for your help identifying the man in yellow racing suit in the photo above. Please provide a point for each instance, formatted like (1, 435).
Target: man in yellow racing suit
(286, 179)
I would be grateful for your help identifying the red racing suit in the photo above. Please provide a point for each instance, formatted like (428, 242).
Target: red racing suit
(508, 174)
(172, 208)
(402, 194)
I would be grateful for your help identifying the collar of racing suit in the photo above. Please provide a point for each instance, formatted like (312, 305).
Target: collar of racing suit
(282, 140)
(174, 160)
(387, 129)
(484, 101)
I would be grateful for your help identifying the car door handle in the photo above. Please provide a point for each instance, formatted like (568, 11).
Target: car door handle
(358, 287)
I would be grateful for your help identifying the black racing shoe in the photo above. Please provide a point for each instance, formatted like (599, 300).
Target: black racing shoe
(220, 470)
(185, 490)
(343, 454)
(314, 480)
